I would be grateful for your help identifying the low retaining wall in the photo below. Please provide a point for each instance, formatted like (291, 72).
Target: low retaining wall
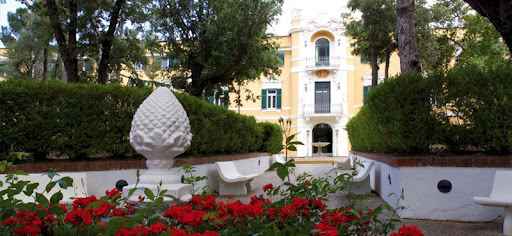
(96, 182)
(437, 188)
(120, 164)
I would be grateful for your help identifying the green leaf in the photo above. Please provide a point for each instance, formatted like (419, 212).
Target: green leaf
(29, 189)
(292, 148)
(51, 174)
(50, 186)
(290, 138)
(65, 182)
(56, 198)
(41, 199)
(149, 194)
(282, 172)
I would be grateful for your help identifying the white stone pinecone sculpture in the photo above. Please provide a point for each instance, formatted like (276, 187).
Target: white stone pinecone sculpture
(160, 129)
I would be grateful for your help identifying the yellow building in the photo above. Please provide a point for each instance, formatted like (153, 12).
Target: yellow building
(321, 85)
(3, 61)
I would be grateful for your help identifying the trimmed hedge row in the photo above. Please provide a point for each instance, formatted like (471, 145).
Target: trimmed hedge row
(85, 120)
(468, 109)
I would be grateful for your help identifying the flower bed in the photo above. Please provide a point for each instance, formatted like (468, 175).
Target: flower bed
(112, 214)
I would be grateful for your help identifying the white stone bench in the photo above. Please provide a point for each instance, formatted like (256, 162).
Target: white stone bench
(360, 183)
(232, 182)
(501, 196)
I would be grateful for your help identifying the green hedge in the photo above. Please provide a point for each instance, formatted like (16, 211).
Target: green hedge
(84, 120)
(468, 109)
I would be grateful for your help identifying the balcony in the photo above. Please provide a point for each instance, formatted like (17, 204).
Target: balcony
(322, 110)
(322, 63)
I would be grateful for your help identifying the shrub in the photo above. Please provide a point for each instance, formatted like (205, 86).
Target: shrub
(272, 137)
(83, 120)
(469, 108)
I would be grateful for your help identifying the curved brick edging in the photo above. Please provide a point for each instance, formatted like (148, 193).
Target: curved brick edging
(474, 160)
(120, 164)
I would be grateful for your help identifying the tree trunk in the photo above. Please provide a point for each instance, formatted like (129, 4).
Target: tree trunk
(386, 68)
(374, 63)
(499, 12)
(67, 49)
(407, 45)
(107, 40)
(198, 85)
(45, 64)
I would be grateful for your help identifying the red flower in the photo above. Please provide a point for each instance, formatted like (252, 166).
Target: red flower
(204, 202)
(49, 219)
(185, 214)
(139, 230)
(113, 193)
(193, 218)
(83, 202)
(9, 221)
(178, 232)
(78, 216)
(268, 187)
(28, 230)
(102, 210)
(300, 203)
(287, 211)
(118, 212)
(157, 228)
(27, 222)
(408, 230)
(210, 233)
(326, 229)
(319, 204)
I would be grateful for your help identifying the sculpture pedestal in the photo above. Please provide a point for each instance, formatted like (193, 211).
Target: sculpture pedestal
(160, 179)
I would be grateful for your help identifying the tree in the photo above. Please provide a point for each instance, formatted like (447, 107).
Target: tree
(28, 43)
(407, 44)
(216, 42)
(89, 29)
(499, 13)
(373, 34)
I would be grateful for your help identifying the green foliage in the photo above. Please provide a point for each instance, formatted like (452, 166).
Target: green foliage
(467, 109)
(81, 120)
(220, 42)
(217, 130)
(189, 177)
(272, 137)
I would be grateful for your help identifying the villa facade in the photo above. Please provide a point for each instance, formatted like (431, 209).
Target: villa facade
(320, 87)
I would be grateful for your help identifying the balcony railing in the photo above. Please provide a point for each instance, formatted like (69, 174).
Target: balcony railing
(324, 109)
(322, 63)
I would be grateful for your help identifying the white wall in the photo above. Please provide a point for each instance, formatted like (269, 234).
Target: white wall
(97, 182)
(414, 190)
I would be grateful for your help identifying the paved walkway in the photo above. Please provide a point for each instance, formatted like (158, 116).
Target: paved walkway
(431, 228)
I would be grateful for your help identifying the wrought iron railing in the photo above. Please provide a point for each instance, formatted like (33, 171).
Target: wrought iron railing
(322, 109)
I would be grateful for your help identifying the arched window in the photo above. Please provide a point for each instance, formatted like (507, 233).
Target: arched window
(322, 52)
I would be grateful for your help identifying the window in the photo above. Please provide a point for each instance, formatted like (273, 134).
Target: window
(271, 99)
(3, 1)
(322, 52)
(139, 66)
(281, 58)
(164, 63)
(366, 90)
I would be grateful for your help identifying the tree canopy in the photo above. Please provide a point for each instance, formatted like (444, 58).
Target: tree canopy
(217, 42)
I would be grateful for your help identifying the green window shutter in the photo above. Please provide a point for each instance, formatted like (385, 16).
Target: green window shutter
(366, 89)
(211, 99)
(263, 99)
(278, 98)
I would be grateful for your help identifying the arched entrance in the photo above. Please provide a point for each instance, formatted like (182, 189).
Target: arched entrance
(322, 139)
